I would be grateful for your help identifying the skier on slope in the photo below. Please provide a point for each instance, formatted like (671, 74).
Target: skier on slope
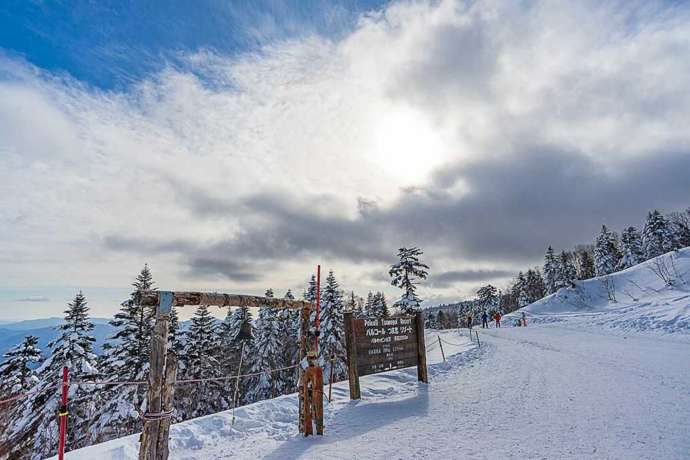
(469, 322)
(524, 319)
(485, 320)
(497, 318)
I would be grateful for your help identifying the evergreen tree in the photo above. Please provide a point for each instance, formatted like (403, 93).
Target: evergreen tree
(235, 334)
(405, 274)
(519, 290)
(127, 357)
(534, 285)
(332, 342)
(631, 245)
(680, 228)
(379, 306)
(585, 265)
(550, 271)
(369, 305)
(265, 349)
(200, 358)
(606, 253)
(287, 325)
(17, 372)
(33, 431)
(657, 238)
(566, 273)
(488, 297)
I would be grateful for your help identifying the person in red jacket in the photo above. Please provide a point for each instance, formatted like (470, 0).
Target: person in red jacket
(497, 318)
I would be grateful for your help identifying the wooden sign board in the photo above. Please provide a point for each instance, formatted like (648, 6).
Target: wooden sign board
(383, 344)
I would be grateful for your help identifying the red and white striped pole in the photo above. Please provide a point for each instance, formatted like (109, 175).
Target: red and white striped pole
(62, 414)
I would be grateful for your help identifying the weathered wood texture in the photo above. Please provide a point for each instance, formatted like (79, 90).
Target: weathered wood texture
(167, 397)
(150, 435)
(422, 374)
(352, 374)
(150, 298)
(384, 344)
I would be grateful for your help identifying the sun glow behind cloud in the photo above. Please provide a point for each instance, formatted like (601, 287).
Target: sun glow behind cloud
(339, 131)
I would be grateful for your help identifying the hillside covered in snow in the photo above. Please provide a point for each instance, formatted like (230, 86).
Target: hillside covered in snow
(651, 297)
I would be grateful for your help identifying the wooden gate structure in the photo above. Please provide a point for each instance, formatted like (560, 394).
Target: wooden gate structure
(163, 364)
(376, 345)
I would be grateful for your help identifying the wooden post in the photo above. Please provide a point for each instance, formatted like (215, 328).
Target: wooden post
(422, 374)
(477, 335)
(441, 345)
(153, 446)
(305, 313)
(167, 403)
(351, 348)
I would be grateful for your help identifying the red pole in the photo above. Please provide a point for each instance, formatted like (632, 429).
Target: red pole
(318, 307)
(63, 413)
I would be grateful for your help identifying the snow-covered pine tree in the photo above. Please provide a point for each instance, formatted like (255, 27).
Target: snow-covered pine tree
(332, 342)
(292, 376)
(265, 350)
(127, 358)
(550, 270)
(379, 305)
(33, 431)
(566, 273)
(680, 227)
(487, 297)
(657, 237)
(200, 357)
(405, 275)
(288, 352)
(519, 290)
(369, 304)
(631, 246)
(234, 332)
(585, 265)
(18, 370)
(534, 285)
(606, 253)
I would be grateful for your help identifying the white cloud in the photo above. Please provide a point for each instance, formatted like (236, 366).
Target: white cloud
(412, 88)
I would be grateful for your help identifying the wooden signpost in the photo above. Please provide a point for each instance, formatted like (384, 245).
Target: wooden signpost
(383, 344)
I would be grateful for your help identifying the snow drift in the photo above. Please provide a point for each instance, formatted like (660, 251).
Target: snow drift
(653, 296)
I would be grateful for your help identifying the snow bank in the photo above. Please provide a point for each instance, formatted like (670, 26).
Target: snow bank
(652, 297)
(271, 421)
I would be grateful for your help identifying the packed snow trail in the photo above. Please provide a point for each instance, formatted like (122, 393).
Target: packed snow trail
(535, 392)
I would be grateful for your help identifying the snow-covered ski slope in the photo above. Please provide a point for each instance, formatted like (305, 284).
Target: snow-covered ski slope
(634, 300)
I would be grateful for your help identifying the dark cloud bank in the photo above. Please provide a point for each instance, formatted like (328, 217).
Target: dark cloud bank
(513, 208)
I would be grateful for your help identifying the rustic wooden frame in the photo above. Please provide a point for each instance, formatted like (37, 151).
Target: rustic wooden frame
(163, 364)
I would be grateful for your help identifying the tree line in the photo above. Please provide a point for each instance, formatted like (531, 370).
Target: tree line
(610, 252)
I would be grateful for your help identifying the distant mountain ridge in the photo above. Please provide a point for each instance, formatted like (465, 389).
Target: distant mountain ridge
(13, 333)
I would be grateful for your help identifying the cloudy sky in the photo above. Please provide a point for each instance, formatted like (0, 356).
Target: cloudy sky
(235, 145)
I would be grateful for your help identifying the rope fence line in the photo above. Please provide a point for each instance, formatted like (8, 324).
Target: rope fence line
(10, 399)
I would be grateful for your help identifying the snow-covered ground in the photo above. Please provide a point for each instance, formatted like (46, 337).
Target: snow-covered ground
(643, 302)
(588, 378)
(261, 429)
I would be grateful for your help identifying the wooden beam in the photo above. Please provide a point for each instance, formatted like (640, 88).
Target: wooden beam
(151, 298)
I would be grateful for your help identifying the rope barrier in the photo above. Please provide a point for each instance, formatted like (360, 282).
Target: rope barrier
(144, 382)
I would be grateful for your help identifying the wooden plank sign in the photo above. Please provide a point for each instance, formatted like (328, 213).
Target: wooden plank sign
(383, 344)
